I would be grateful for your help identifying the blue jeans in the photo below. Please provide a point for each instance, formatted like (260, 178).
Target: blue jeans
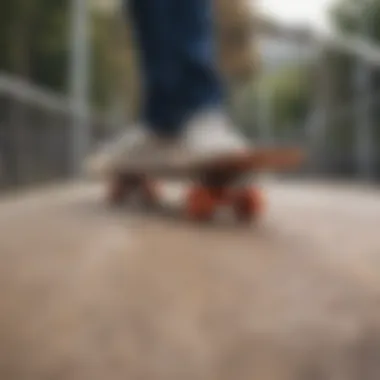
(179, 69)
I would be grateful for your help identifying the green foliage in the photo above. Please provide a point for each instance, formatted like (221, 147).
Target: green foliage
(49, 46)
(34, 43)
(290, 89)
(349, 16)
(289, 92)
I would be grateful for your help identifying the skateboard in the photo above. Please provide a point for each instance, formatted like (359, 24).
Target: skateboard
(215, 183)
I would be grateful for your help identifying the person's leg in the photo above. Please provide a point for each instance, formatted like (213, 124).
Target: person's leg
(205, 128)
(153, 29)
(146, 142)
(182, 89)
(179, 68)
(178, 57)
(200, 86)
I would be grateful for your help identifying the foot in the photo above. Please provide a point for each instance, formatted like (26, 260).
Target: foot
(135, 149)
(211, 135)
(112, 153)
(207, 136)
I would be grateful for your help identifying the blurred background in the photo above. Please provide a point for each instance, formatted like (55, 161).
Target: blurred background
(92, 292)
(307, 74)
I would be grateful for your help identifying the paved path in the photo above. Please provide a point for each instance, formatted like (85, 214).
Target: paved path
(93, 293)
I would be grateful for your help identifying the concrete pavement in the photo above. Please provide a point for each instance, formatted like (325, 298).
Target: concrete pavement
(88, 292)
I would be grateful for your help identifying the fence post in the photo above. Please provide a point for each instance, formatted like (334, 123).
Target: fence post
(79, 78)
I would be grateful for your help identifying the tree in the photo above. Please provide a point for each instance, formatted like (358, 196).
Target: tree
(34, 42)
(361, 18)
(291, 94)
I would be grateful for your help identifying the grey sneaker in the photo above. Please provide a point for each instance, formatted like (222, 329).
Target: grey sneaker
(207, 136)
(134, 150)
(114, 152)
(211, 135)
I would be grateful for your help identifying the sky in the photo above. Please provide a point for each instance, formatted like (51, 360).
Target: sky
(306, 12)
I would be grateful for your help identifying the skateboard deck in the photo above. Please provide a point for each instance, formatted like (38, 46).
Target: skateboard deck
(216, 182)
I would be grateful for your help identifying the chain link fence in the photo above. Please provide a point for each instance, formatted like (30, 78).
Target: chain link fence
(36, 135)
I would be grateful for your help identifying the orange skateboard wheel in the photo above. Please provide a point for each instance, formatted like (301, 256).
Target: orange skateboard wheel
(200, 204)
(248, 204)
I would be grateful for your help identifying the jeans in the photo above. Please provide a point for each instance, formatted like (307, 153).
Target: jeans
(178, 59)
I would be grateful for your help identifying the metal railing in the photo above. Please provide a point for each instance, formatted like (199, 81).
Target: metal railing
(37, 134)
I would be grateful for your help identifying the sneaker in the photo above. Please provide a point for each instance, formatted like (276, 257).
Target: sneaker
(207, 136)
(133, 150)
(109, 155)
(211, 135)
